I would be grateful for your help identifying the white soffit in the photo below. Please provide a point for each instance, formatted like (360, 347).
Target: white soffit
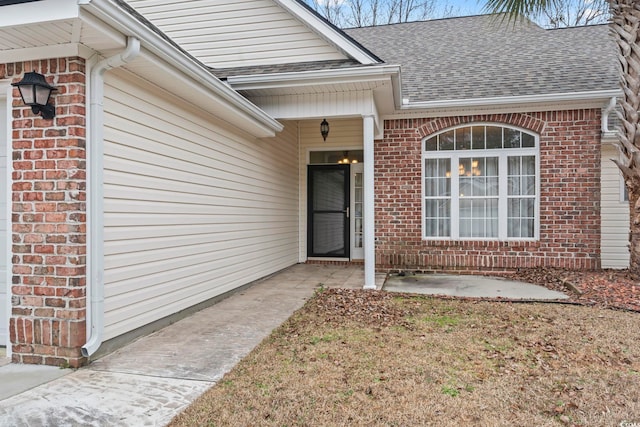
(38, 11)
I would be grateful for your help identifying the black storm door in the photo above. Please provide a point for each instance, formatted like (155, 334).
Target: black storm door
(328, 211)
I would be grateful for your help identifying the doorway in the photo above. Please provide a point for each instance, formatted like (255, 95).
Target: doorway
(328, 212)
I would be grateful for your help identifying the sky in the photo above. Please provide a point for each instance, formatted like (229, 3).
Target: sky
(466, 7)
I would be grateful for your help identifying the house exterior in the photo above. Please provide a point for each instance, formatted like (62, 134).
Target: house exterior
(186, 157)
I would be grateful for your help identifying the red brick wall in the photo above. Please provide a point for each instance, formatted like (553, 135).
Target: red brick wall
(569, 198)
(49, 219)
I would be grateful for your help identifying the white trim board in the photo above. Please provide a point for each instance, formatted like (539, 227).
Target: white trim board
(5, 279)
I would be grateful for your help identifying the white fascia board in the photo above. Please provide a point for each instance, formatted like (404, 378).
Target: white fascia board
(54, 51)
(327, 32)
(263, 125)
(314, 77)
(570, 97)
(376, 73)
(36, 12)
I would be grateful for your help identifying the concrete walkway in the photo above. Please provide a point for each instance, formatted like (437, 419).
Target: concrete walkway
(152, 379)
(149, 381)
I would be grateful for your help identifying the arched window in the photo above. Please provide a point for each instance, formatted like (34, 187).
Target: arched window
(481, 182)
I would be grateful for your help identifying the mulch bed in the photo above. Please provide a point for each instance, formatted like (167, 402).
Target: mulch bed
(603, 288)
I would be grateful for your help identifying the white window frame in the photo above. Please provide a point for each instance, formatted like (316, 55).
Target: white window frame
(502, 154)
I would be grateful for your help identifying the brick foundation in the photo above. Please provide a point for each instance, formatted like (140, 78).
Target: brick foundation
(569, 198)
(48, 319)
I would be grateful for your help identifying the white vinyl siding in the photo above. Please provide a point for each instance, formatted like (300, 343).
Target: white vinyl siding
(234, 33)
(193, 209)
(614, 245)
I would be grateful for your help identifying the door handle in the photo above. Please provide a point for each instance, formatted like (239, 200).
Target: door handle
(346, 211)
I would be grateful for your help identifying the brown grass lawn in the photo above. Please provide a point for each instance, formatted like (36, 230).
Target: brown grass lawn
(363, 358)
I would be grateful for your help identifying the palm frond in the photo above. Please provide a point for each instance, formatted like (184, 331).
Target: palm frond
(518, 7)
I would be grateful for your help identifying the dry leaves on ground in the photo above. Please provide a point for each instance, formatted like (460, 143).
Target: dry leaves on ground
(362, 358)
(603, 288)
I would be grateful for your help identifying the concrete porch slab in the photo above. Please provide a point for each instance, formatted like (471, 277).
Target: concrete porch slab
(469, 286)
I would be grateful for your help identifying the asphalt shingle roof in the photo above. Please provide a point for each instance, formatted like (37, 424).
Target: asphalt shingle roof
(485, 56)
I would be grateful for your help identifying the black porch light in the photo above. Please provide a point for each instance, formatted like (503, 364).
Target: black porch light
(324, 129)
(36, 92)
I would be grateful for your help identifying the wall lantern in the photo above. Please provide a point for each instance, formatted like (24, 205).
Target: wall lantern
(36, 92)
(324, 129)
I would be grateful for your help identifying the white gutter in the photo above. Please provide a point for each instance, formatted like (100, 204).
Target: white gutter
(335, 76)
(95, 151)
(511, 100)
(604, 124)
(248, 115)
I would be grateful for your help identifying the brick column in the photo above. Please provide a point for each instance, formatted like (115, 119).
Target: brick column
(48, 319)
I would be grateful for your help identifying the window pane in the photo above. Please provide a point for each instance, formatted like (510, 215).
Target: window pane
(438, 214)
(527, 207)
(446, 140)
(514, 227)
(444, 187)
(492, 166)
(465, 228)
(528, 140)
(513, 166)
(513, 208)
(529, 224)
(513, 186)
(432, 144)
(465, 187)
(492, 186)
(444, 227)
(444, 168)
(431, 167)
(464, 167)
(528, 165)
(477, 141)
(444, 209)
(511, 138)
(494, 137)
(479, 218)
(528, 185)
(478, 176)
(521, 221)
(431, 227)
(463, 138)
(437, 177)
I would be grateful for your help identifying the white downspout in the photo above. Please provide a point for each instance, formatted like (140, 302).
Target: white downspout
(604, 121)
(95, 217)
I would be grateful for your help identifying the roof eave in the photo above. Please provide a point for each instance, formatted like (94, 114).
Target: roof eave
(567, 97)
(375, 73)
(34, 12)
(247, 116)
